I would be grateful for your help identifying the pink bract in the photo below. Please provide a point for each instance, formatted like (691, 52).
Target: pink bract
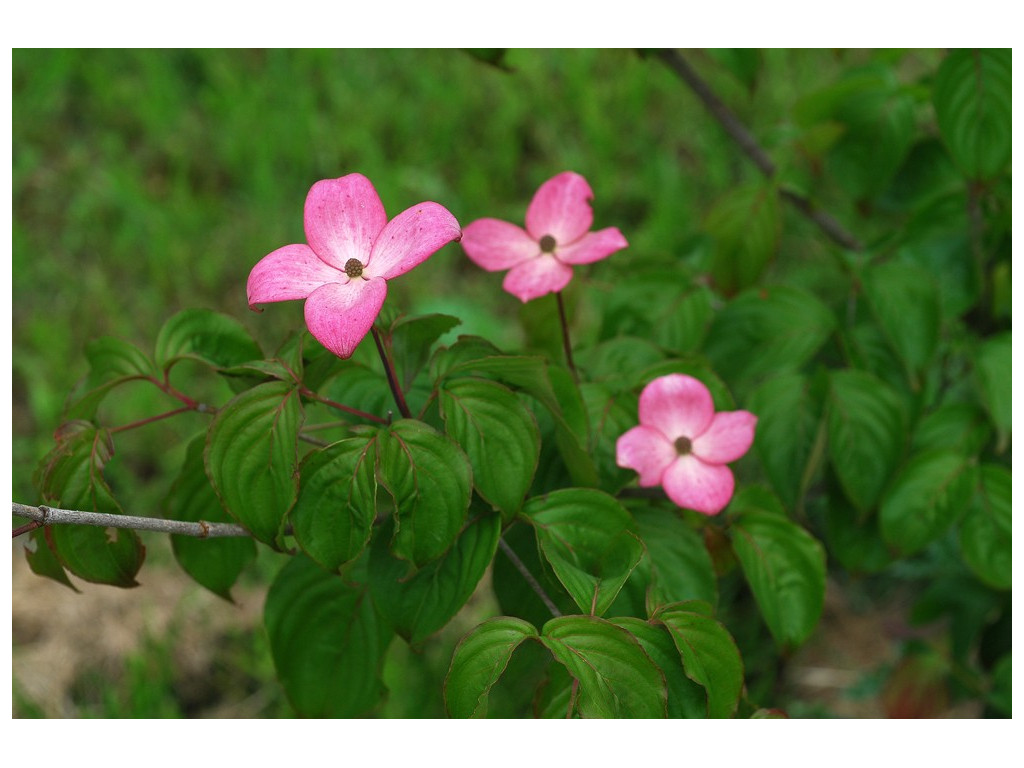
(557, 236)
(682, 445)
(353, 251)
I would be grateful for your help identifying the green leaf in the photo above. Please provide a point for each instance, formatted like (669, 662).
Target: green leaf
(685, 697)
(767, 331)
(516, 597)
(610, 416)
(856, 543)
(1000, 695)
(972, 98)
(419, 604)
(959, 426)
(498, 434)
(789, 418)
(742, 63)
(617, 679)
(215, 563)
(745, 224)
(876, 115)
(71, 477)
(210, 337)
(993, 369)
(679, 563)
(327, 642)
(430, 482)
(585, 536)
(411, 339)
(709, 654)
(554, 388)
(111, 362)
(44, 561)
(252, 457)
(866, 434)
(478, 661)
(334, 513)
(905, 300)
(785, 568)
(929, 493)
(985, 533)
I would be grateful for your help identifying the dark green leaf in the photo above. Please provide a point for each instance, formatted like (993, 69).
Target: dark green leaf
(742, 63)
(958, 426)
(419, 604)
(992, 366)
(610, 417)
(1001, 693)
(767, 331)
(709, 654)
(985, 533)
(498, 434)
(617, 679)
(411, 340)
(905, 301)
(679, 563)
(44, 561)
(866, 434)
(929, 493)
(327, 642)
(856, 543)
(215, 563)
(516, 597)
(745, 225)
(111, 362)
(334, 513)
(789, 416)
(210, 337)
(685, 697)
(478, 661)
(554, 388)
(252, 457)
(430, 482)
(71, 477)
(585, 536)
(785, 568)
(972, 97)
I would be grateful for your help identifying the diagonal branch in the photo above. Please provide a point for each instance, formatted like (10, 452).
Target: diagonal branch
(51, 516)
(739, 133)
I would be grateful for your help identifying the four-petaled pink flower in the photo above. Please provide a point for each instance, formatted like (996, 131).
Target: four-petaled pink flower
(683, 445)
(557, 235)
(353, 250)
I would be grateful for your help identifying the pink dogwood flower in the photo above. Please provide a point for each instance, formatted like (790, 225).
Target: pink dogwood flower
(557, 236)
(683, 445)
(353, 251)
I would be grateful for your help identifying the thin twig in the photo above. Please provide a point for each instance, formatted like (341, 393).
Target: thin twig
(340, 406)
(201, 530)
(26, 528)
(389, 370)
(534, 584)
(739, 133)
(566, 344)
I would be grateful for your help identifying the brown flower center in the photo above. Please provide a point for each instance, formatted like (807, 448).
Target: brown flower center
(683, 445)
(547, 244)
(354, 268)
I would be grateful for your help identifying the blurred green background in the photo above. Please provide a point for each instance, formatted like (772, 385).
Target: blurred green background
(146, 182)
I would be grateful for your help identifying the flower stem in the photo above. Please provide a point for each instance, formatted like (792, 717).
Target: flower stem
(389, 370)
(534, 584)
(566, 344)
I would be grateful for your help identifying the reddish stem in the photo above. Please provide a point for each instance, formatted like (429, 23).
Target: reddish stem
(31, 526)
(389, 370)
(347, 409)
(151, 419)
(566, 344)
